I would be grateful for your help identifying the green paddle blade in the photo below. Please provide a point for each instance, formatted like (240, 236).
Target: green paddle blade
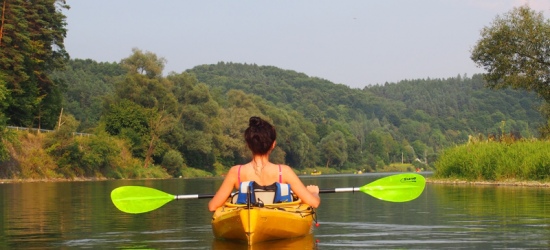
(136, 199)
(396, 188)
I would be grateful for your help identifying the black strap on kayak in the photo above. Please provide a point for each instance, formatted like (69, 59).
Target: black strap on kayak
(248, 206)
(248, 198)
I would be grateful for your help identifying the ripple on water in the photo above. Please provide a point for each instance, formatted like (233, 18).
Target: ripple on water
(375, 236)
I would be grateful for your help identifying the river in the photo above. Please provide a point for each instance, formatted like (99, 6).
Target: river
(80, 215)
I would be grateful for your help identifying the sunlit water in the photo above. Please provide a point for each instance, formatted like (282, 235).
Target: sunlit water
(80, 215)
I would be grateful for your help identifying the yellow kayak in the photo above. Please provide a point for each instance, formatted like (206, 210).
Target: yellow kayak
(259, 224)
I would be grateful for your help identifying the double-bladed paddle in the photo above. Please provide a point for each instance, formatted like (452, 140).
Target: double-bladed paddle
(394, 188)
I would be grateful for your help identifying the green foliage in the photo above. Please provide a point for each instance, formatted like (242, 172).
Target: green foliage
(4, 154)
(398, 167)
(62, 154)
(32, 43)
(346, 128)
(334, 149)
(99, 154)
(201, 114)
(520, 160)
(4, 94)
(144, 63)
(513, 50)
(62, 146)
(3, 130)
(128, 120)
(193, 173)
(173, 163)
(85, 84)
(438, 113)
(219, 169)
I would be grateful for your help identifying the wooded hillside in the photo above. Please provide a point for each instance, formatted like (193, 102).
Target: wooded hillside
(199, 115)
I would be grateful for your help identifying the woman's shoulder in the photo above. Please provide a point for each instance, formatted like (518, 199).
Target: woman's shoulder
(234, 169)
(285, 167)
(287, 170)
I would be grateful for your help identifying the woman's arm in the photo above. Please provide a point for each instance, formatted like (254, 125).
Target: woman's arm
(224, 191)
(308, 195)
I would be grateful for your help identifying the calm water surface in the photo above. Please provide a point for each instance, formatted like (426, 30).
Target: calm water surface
(80, 215)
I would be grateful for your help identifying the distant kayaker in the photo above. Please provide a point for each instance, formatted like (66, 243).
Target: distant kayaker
(260, 136)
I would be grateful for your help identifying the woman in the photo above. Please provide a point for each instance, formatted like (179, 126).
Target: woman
(260, 137)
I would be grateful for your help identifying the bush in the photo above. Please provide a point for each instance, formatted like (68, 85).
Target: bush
(173, 163)
(495, 161)
(194, 172)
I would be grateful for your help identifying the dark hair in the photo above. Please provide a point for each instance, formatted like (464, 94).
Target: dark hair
(260, 135)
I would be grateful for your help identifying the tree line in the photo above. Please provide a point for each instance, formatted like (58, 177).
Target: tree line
(196, 118)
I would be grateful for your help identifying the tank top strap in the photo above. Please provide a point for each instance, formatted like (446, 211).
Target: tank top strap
(239, 174)
(280, 174)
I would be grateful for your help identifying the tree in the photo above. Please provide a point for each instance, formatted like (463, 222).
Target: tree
(375, 145)
(31, 47)
(129, 120)
(148, 63)
(173, 162)
(4, 93)
(144, 84)
(197, 128)
(515, 51)
(3, 131)
(333, 149)
(145, 98)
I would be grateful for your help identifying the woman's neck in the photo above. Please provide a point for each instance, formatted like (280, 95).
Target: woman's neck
(260, 160)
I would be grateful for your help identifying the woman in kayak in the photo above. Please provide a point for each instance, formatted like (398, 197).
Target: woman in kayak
(260, 137)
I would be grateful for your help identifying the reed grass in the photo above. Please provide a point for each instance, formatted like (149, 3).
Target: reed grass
(522, 160)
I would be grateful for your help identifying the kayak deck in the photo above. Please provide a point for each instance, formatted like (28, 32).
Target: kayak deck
(259, 224)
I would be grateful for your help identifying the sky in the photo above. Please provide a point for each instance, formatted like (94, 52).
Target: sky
(352, 42)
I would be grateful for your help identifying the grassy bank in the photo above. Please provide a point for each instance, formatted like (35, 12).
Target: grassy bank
(519, 161)
(44, 157)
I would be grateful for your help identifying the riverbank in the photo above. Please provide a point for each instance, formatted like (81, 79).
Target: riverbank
(428, 180)
(489, 183)
(2, 181)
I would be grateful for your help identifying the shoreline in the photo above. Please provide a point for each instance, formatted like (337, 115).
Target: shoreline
(3, 181)
(515, 183)
(510, 182)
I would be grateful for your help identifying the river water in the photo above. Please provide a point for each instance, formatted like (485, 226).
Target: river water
(80, 215)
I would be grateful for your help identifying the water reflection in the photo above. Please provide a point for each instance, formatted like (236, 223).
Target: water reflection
(76, 215)
(444, 217)
(306, 243)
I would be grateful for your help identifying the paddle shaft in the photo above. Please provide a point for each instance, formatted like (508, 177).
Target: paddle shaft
(192, 196)
(339, 190)
(322, 191)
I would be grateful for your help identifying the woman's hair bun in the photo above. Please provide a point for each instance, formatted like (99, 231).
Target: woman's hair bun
(260, 136)
(255, 121)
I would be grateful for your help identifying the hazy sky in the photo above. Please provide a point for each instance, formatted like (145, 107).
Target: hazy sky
(352, 42)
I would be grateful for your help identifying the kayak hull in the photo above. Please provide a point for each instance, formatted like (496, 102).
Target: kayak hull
(304, 242)
(260, 224)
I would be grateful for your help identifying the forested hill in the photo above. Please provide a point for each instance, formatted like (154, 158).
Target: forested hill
(317, 99)
(463, 103)
(201, 113)
(456, 106)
